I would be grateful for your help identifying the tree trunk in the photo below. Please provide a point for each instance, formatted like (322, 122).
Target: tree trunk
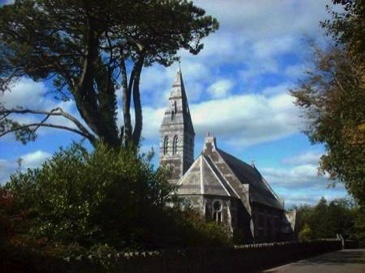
(126, 102)
(137, 132)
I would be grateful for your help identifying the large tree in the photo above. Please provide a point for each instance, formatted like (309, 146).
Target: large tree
(332, 95)
(327, 219)
(346, 27)
(90, 50)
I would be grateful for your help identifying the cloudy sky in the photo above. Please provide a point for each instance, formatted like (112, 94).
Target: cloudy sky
(237, 89)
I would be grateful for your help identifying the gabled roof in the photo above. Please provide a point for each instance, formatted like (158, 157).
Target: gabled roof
(260, 190)
(216, 172)
(203, 178)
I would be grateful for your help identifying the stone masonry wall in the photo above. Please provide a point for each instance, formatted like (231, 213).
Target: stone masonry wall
(240, 259)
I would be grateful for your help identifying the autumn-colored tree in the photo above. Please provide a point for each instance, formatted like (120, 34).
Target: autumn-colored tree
(332, 97)
(346, 27)
(91, 50)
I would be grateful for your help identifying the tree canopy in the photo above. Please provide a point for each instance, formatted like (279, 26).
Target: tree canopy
(80, 203)
(327, 219)
(91, 50)
(332, 96)
(346, 27)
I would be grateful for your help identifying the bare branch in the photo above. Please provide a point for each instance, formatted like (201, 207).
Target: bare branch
(51, 126)
(82, 130)
(5, 82)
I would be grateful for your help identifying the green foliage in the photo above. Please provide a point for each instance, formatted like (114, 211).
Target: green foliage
(6, 206)
(346, 27)
(90, 50)
(82, 203)
(305, 234)
(359, 225)
(198, 232)
(84, 198)
(326, 220)
(332, 96)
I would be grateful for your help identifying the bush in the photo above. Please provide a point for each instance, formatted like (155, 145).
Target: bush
(306, 234)
(84, 198)
(80, 202)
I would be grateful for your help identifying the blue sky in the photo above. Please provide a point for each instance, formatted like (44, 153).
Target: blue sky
(237, 89)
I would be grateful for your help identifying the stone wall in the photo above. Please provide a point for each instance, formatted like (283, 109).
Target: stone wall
(245, 258)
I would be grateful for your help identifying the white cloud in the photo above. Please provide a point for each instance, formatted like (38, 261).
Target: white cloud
(25, 93)
(309, 157)
(268, 26)
(266, 48)
(29, 160)
(276, 90)
(241, 120)
(35, 96)
(300, 183)
(247, 119)
(297, 197)
(152, 119)
(34, 159)
(301, 176)
(220, 88)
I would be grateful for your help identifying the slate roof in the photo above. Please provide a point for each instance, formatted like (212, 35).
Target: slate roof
(181, 111)
(207, 176)
(203, 178)
(260, 190)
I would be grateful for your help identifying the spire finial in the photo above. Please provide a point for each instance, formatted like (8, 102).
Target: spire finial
(179, 69)
(210, 142)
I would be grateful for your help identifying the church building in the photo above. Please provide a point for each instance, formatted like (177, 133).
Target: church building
(221, 187)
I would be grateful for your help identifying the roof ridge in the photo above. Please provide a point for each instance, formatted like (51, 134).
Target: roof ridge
(220, 177)
(268, 185)
(255, 186)
(248, 205)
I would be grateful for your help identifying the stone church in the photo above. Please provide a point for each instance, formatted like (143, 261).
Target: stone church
(221, 187)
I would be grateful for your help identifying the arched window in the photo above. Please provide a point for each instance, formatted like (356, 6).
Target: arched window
(174, 145)
(217, 211)
(166, 145)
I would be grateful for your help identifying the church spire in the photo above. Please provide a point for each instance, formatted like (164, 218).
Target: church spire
(177, 131)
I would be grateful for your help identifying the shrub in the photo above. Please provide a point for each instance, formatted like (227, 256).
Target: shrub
(305, 234)
(82, 202)
(87, 198)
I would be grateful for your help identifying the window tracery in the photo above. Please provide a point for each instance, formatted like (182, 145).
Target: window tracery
(217, 211)
(174, 145)
(166, 145)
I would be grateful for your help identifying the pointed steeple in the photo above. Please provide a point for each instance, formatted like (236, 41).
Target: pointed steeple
(179, 108)
(177, 131)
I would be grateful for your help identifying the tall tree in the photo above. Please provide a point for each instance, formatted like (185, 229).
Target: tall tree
(346, 27)
(332, 96)
(326, 220)
(90, 49)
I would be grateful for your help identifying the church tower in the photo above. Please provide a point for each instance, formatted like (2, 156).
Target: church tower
(177, 132)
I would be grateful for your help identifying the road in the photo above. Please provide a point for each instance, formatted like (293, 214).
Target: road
(343, 261)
